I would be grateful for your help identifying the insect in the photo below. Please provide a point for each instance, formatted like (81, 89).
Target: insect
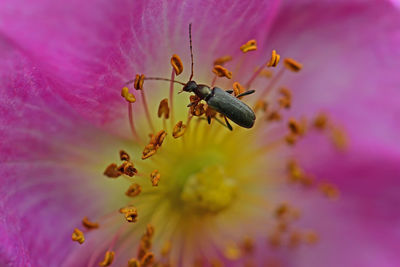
(220, 100)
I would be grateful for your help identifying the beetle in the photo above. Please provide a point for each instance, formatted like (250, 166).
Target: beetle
(220, 100)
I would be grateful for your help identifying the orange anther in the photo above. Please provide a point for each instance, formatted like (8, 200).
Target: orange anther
(210, 112)
(320, 121)
(128, 96)
(285, 102)
(294, 127)
(149, 231)
(139, 80)
(222, 72)
(260, 105)
(89, 224)
(124, 155)
(149, 150)
(251, 45)
(112, 171)
(238, 88)
(311, 237)
(133, 190)
(124, 92)
(127, 168)
(329, 190)
(155, 177)
(108, 258)
(291, 139)
(292, 64)
(275, 239)
(274, 116)
(197, 110)
(177, 64)
(285, 92)
(134, 263)
(130, 213)
(275, 57)
(148, 259)
(294, 239)
(163, 109)
(179, 129)
(248, 245)
(266, 73)
(222, 60)
(78, 236)
(158, 138)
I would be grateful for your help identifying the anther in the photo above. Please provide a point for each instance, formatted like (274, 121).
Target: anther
(320, 121)
(112, 171)
(222, 72)
(329, 190)
(274, 116)
(139, 80)
(285, 102)
(232, 251)
(291, 139)
(149, 230)
(275, 57)
(282, 210)
(248, 245)
(163, 109)
(149, 150)
(292, 64)
(123, 155)
(339, 138)
(179, 129)
(108, 258)
(238, 88)
(128, 96)
(251, 45)
(130, 213)
(260, 105)
(294, 127)
(197, 110)
(266, 73)
(89, 224)
(311, 237)
(78, 236)
(134, 263)
(294, 239)
(127, 168)
(133, 190)
(158, 138)
(177, 64)
(275, 239)
(148, 259)
(222, 60)
(155, 177)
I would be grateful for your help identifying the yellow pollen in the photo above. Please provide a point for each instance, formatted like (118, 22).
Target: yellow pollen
(155, 177)
(78, 236)
(177, 64)
(148, 259)
(108, 259)
(134, 263)
(238, 88)
(232, 251)
(275, 57)
(320, 121)
(112, 171)
(251, 45)
(128, 96)
(89, 224)
(130, 213)
(260, 105)
(329, 190)
(292, 64)
(222, 60)
(163, 109)
(222, 72)
(179, 129)
(133, 190)
(124, 156)
(139, 80)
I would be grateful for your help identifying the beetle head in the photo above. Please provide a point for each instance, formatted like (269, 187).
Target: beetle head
(190, 86)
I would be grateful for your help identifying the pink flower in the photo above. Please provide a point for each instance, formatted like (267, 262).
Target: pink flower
(248, 196)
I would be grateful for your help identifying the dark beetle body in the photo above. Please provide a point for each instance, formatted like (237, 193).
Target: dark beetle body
(224, 103)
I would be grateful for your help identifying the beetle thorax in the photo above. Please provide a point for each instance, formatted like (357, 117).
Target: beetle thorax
(202, 91)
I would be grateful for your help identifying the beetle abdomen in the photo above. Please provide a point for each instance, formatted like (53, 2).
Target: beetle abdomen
(232, 108)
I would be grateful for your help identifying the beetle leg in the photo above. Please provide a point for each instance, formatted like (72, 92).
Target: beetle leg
(229, 91)
(246, 93)
(208, 119)
(228, 124)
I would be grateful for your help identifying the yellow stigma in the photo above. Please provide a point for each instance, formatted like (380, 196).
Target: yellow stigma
(209, 190)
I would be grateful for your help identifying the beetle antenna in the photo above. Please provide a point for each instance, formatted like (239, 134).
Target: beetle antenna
(158, 79)
(191, 49)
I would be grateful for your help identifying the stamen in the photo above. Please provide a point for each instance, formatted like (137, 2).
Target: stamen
(292, 64)
(294, 126)
(222, 72)
(273, 62)
(138, 83)
(260, 105)
(148, 259)
(163, 109)
(128, 96)
(274, 116)
(329, 190)
(222, 60)
(124, 156)
(132, 125)
(127, 168)
(78, 236)
(133, 190)
(155, 177)
(238, 89)
(251, 45)
(266, 73)
(108, 258)
(339, 138)
(149, 150)
(232, 251)
(177, 64)
(248, 245)
(130, 213)
(112, 171)
(155, 143)
(275, 239)
(294, 239)
(179, 129)
(133, 263)
(311, 237)
(320, 121)
(89, 224)
(291, 139)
